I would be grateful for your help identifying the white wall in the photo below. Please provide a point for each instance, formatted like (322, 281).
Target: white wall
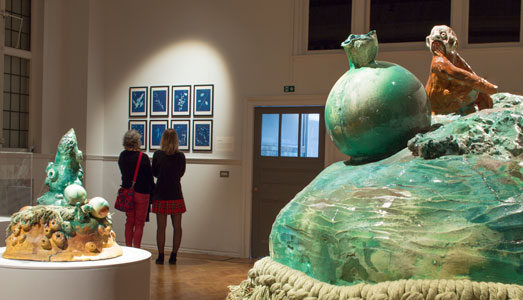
(95, 50)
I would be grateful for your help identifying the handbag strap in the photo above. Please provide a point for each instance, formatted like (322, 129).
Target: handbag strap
(137, 168)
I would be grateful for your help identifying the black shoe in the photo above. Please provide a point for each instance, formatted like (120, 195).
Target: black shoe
(159, 260)
(172, 259)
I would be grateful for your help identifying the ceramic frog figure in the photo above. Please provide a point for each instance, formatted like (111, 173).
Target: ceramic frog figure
(64, 171)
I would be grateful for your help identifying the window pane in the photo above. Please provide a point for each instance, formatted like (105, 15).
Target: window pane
(397, 21)
(494, 21)
(24, 122)
(6, 120)
(310, 134)
(329, 23)
(269, 134)
(13, 139)
(15, 121)
(289, 135)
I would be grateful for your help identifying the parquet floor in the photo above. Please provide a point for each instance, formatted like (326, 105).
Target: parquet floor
(196, 276)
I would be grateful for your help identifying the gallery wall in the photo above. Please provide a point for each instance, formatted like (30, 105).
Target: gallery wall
(95, 50)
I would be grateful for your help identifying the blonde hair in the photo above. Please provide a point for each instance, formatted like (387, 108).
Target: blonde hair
(169, 142)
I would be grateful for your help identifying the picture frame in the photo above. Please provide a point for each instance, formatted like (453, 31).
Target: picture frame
(203, 100)
(156, 129)
(181, 100)
(138, 101)
(202, 135)
(141, 127)
(182, 128)
(159, 101)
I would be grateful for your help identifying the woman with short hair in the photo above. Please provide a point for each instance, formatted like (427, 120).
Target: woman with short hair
(168, 167)
(135, 219)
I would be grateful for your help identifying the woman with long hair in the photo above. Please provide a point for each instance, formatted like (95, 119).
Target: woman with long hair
(168, 167)
(135, 219)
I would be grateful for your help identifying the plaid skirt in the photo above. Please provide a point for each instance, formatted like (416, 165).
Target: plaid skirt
(169, 207)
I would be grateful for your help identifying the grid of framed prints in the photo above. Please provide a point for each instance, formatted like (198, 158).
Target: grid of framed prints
(188, 109)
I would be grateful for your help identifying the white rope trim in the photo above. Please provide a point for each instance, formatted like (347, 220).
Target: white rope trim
(269, 280)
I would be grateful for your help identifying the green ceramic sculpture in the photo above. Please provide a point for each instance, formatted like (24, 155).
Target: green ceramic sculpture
(64, 171)
(456, 215)
(375, 107)
(66, 225)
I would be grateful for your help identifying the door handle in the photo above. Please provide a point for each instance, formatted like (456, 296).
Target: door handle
(255, 189)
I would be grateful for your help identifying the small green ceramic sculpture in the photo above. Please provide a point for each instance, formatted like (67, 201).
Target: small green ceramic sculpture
(65, 226)
(65, 170)
(375, 107)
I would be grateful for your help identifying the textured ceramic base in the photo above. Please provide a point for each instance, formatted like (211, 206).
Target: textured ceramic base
(36, 244)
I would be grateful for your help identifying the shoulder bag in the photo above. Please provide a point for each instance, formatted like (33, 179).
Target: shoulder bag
(125, 199)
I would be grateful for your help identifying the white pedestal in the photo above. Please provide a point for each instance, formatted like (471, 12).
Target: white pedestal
(122, 278)
(4, 222)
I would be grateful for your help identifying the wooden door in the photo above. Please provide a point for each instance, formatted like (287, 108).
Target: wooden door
(289, 151)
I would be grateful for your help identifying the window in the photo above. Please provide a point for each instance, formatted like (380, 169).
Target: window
(397, 21)
(329, 23)
(16, 102)
(494, 21)
(18, 24)
(299, 133)
(15, 78)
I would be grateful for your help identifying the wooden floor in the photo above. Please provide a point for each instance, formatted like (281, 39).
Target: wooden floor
(196, 276)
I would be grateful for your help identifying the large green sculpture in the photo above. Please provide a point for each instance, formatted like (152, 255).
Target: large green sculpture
(64, 171)
(375, 107)
(457, 215)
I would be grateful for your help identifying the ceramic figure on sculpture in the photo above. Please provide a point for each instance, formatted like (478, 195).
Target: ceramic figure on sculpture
(453, 87)
(64, 171)
(375, 107)
(66, 226)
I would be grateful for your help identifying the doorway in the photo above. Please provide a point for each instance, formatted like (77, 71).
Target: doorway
(288, 152)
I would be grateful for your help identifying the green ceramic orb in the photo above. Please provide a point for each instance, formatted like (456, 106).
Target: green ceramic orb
(375, 107)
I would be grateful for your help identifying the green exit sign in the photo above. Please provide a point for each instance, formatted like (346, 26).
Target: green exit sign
(288, 89)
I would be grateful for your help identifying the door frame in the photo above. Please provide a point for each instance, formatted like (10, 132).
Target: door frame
(331, 152)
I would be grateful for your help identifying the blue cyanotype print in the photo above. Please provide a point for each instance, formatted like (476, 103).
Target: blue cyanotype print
(203, 100)
(181, 100)
(138, 101)
(141, 129)
(159, 101)
(156, 133)
(202, 135)
(181, 130)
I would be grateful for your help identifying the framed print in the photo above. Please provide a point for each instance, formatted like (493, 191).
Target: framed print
(159, 101)
(155, 132)
(138, 101)
(203, 100)
(181, 100)
(141, 127)
(202, 135)
(182, 129)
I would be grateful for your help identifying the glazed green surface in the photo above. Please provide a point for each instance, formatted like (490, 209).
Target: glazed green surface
(64, 171)
(452, 217)
(372, 112)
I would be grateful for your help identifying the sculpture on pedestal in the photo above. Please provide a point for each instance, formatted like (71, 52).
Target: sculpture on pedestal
(66, 226)
(438, 216)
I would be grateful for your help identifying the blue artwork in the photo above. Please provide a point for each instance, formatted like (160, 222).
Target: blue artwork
(159, 96)
(157, 129)
(141, 127)
(181, 99)
(182, 129)
(203, 100)
(138, 101)
(202, 135)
